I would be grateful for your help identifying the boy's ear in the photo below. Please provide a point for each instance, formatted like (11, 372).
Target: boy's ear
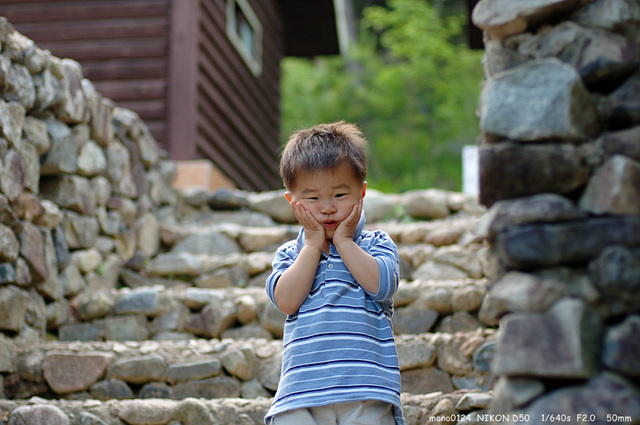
(364, 188)
(288, 196)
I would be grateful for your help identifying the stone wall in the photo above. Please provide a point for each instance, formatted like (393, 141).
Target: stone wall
(560, 168)
(114, 286)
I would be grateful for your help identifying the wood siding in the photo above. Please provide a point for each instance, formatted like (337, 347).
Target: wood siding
(237, 114)
(122, 46)
(173, 63)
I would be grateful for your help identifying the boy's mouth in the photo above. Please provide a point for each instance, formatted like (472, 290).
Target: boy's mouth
(330, 224)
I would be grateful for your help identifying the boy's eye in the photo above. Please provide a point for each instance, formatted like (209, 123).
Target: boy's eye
(313, 198)
(340, 195)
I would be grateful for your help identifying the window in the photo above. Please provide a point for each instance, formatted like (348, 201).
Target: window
(245, 32)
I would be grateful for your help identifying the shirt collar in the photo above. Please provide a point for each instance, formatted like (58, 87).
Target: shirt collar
(356, 235)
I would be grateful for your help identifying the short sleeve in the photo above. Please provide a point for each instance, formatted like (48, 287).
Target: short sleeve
(384, 250)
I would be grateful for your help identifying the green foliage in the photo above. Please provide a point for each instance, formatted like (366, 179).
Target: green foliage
(410, 87)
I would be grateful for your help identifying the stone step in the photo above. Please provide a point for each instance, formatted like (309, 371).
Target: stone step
(222, 368)
(462, 407)
(187, 312)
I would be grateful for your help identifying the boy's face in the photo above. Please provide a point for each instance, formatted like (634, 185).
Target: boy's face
(329, 195)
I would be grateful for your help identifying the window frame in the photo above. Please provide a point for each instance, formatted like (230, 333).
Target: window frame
(252, 59)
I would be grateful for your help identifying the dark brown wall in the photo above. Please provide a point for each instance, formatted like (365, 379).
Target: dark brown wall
(172, 62)
(123, 50)
(232, 115)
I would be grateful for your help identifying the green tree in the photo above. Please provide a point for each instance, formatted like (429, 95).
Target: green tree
(414, 94)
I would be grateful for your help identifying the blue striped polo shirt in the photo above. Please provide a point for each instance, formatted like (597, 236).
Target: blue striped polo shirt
(339, 346)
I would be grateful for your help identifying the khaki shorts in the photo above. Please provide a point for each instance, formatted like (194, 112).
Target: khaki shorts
(368, 412)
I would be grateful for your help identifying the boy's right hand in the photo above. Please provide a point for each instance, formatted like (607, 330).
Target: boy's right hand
(313, 231)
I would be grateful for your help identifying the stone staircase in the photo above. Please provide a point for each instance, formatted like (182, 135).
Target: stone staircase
(188, 336)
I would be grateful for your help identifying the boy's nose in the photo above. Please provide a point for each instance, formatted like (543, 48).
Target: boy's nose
(328, 208)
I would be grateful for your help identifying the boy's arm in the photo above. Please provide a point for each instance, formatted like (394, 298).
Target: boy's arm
(364, 267)
(293, 286)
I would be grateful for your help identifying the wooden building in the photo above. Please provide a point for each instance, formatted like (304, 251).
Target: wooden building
(203, 74)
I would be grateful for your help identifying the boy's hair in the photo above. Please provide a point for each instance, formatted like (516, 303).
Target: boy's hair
(324, 147)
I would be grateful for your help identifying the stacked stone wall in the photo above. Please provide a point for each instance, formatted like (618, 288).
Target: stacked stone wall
(560, 169)
(115, 288)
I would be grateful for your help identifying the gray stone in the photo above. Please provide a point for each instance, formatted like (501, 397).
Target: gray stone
(601, 57)
(217, 387)
(227, 199)
(415, 353)
(512, 393)
(509, 170)
(483, 356)
(91, 160)
(503, 18)
(409, 320)
(72, 372)
(182, 263)
(71, 192)
(616, 275)
(608, 397)
(473, 401)
(35, 131)
(546, 245)
(147, 411)
(460, 321)
(546, 207)
(200, 369)
(38, 414)
(12, 121)
(513, 106)
(207, 243)
(562, 343)
(80, 232)
(32, 250)
(139, 370)
(73, 108)
(144, 300)
(625, 103)
(269, 375)
(621, 347)
(101, 112)
(9, 245)
(62, 156)
(215, 317)
(51, 288)
(86, 418)
(126, 328)
(433, 270)
(30, 166)
(7, 273)
(7, 354)
(427, 204)
(155, 390)
(48, 90)
(425, 380)
(378, 206)
(262, 238)
(119, 170)
(241, 363)
(517, 292)
(614, 15)
(111, 389)
(274, 204)
(19, 86)
(12, 175)
(79, 332)
(614, 189)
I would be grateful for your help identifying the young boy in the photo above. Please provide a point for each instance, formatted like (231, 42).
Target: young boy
(335, 282)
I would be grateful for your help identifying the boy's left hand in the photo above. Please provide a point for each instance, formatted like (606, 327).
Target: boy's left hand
(347, 228)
